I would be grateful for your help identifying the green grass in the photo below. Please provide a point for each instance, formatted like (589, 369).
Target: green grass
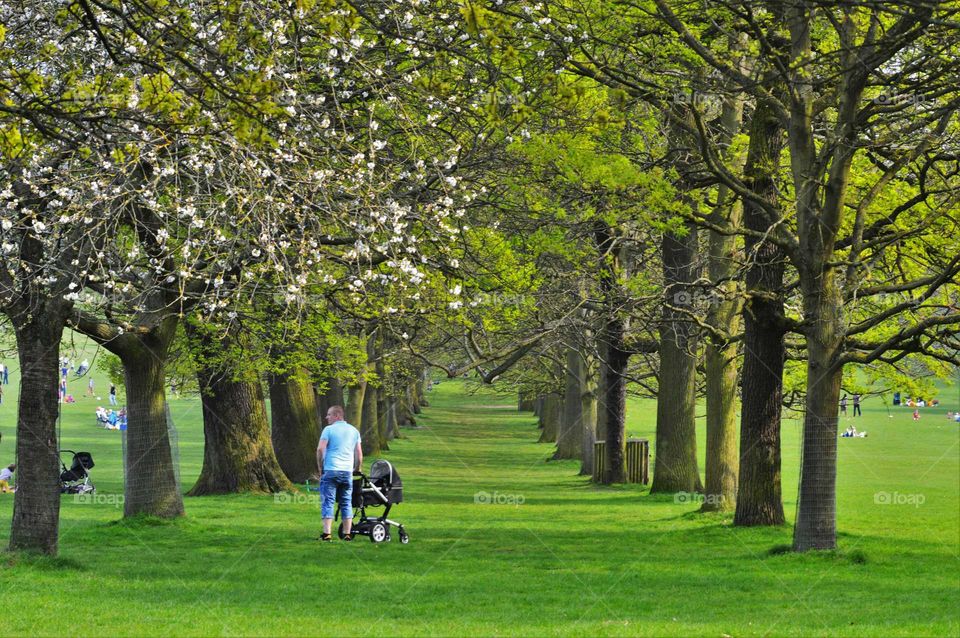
(571, 559)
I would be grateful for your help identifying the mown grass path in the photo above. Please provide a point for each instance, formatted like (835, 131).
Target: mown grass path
(503, 543)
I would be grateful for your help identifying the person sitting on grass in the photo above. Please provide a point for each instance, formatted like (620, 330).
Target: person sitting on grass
(6, 475)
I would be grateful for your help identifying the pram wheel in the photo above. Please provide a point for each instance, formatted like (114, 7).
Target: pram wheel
(404, 537)
(340, 531)
(378, 532)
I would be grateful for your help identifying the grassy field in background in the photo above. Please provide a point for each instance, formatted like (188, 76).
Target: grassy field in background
(551, 555)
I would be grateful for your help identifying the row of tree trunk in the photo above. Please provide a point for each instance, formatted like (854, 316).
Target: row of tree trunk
(243, 451)
(749, 480)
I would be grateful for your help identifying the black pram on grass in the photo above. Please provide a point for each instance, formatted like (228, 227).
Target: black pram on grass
(382, 488)
(76, 480)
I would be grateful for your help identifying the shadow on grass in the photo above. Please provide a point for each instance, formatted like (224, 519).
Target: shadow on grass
(40, 562)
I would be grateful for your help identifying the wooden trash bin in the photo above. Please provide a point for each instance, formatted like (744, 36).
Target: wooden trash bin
(638, 460)
(599, 458)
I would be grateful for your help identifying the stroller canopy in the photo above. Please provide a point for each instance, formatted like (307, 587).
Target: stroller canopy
(383, 473)
(82, 461)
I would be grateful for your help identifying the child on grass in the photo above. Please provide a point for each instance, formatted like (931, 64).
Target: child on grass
(6, 475)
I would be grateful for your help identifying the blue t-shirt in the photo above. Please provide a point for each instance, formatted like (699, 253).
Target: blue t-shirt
(342, 439)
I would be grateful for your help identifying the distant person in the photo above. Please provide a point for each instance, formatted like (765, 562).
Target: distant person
(64, 366)
(856, 405)
(6, 475)
(916, 414)
(843, 405)
(90, 387)
(84, 366)
(338, 454)
(956, 417)
(6, 375)
(113, 394)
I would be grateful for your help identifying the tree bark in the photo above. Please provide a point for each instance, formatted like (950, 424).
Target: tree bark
(238, 452)
(151, 486)
(588, 413)
(816, 526)
(759, 498)
(294, 428)
(550, 418)
(393, 424)
(353, 411)
(384, 431)
(571, 421)
(525, 402)
(331, 396)
(36, 503)
(720, 357)
(612, 401)
(676, 468)
(370, 422)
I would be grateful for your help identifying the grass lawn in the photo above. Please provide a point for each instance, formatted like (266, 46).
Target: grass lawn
(555, 556)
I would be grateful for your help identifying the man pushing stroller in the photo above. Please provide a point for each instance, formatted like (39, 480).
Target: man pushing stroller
(338, 455)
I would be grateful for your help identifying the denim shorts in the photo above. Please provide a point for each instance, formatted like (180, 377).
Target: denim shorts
(336, 486)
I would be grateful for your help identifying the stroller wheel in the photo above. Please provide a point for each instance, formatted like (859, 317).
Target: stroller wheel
(404, 538)
(378, 533)
(340, 531)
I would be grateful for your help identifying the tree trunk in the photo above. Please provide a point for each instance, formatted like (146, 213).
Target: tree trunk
(588, 412)
(416, 396)
(571, 421)
(525, 402)
(353, 411)
(816, 526)
(383, 427)
(612, 401)
(722, 463)
(676, 468)
(331, 396)
(295, 430)
(238, 452)
(759, 499)
(151, 486)
(404, 412)
(720, 363)
(370, 422)
(36, 503)
(552, 407)
(393, 426)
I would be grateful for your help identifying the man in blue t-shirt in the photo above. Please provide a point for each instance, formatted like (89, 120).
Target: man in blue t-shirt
(338, 455)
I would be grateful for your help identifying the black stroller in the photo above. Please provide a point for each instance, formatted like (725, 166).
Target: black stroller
(382, 487)
(76, 480)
